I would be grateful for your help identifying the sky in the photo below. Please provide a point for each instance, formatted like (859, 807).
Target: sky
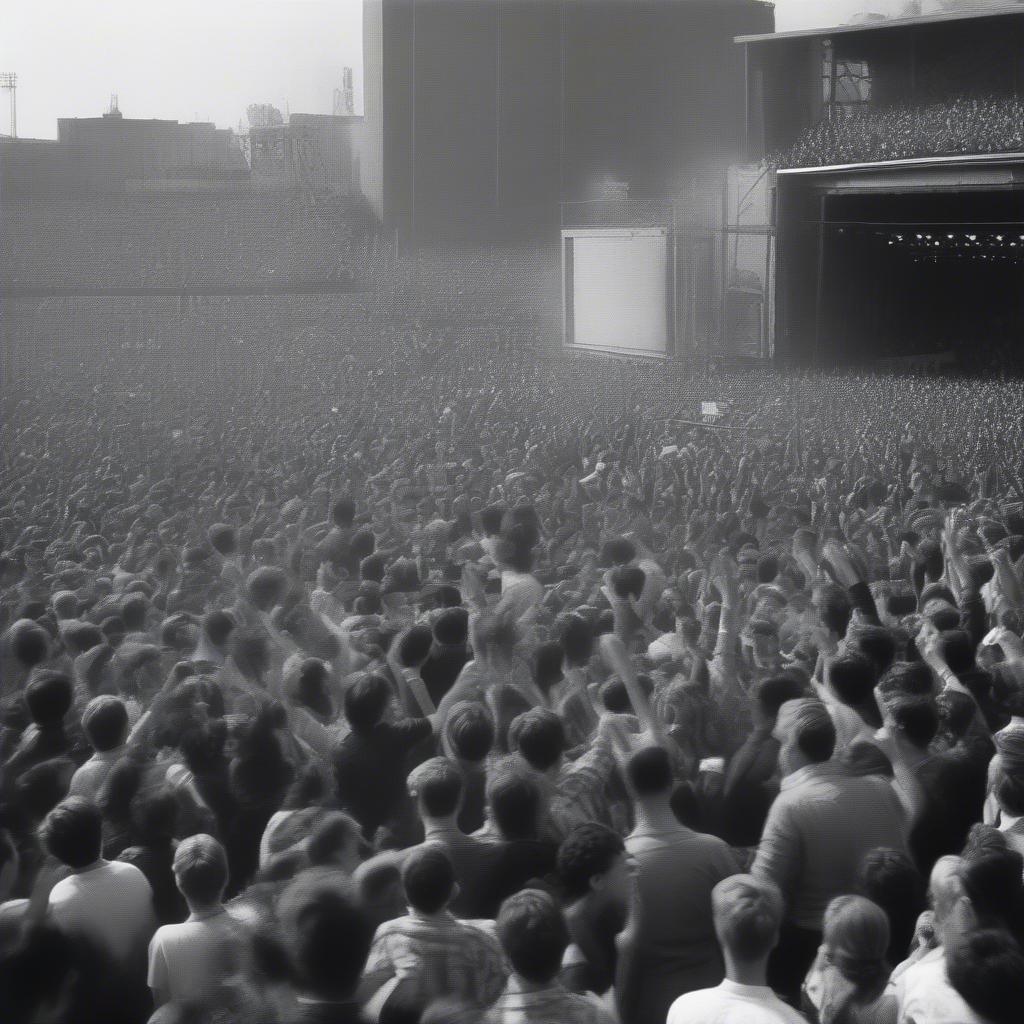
(209, 59)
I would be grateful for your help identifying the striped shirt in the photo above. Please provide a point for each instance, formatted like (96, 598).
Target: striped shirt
(441, 955)
(552, 1005)
(818, 829)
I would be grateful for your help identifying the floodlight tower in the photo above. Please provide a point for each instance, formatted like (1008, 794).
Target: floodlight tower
(9, 81)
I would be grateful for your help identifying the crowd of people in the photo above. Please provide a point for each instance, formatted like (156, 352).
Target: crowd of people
(903, 131)
(429, 679)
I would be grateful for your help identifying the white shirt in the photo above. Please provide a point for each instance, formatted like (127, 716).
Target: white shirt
(732, 1003)
(190, 960)
(925, 995)
(89, 778)
(112, 904)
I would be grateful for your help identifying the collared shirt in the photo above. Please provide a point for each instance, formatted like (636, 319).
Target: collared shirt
(732, 1003)
(191, 960)
(551, 1005)
(442, 955)
(579, 791)
(820, 826)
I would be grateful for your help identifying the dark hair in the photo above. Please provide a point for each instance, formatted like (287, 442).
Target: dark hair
(428, 878)
(105, 723)
(986, 968)
(438, 785)
(852, 678)
(992, 881)
(875, 643)
(451, 627)
(628, 580)
(119, 789)
(817, 740)
(490, 519)
(835, 609)
(890, 879)
(40, 788)
(329, 936)
(343, 511)
(82, 637)
(133, 613)
(617, 551)
(155, 815)
(899, 605)
(577, 638)
(366, 701)
(590, 849)
(515, 548)
(223, 538)
(957, 650)
(1009, 791)
(650, 771)
(911, 677)
(415, 645)
(250, 652)
(30, 644)
(372, 569)
(539, 736)
(514, 800)
(73, 832)
(48, 697)
(771, 693)
(217, 627)
(470, 731)
(533, 934)
(266, 586)
(916, 718)
(201, 868)
(363, 544)
(767, 568)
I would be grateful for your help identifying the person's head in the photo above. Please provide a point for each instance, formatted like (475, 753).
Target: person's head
(200, 870)
(851, 679)
(134, 611)
(747, 914)
(833, 607)
(334, 842)
(451, 627)
(912, 677)
(428, 879)
(469, 732)
(945, 891)
(576, 636)
(490, 519)
(957, 650)
(915, 720)
(806, 734)
(889, 878)
(771, 693)
(30, 643)
(105, 722)
(250, 652)
(155, 815)
(547, 666)
(328, 933)
(343, 512)
(48, 697)
(874, 643)
(1008, 789)
(649, 774)
(539, 736)
(513, 800)
(312, 687)
(534, 935)
(986, 968)
(992, 884)
(856, 940)
(217, 627)
(437, 787)
(366, 702)
(10, 863)
(627, 581)
(73, 832)
(617, 551)
(592, 859)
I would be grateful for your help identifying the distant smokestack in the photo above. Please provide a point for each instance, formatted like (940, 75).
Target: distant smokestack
(344, 98)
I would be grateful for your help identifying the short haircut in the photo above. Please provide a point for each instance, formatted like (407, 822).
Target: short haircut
(539, 735)
(617, 551)
(266, 586)
(372, 568)
(332, 834)
(547, 666)
(771, 693)
(217, 627)
(1009, 791)
(628, 581)
(438, 785)
(957, 650)
(73, 832)
(857, 934)
(155, 814)
(470, 731)
(133, 613)
(201, 869)
(917, 718)
(534, 935)
(105, 722)
(451, 627)
(490, 519)
(650, 771)
(590, 849)
(48, 697)
(363, 544)
(428, 878)
(577, 638)
(906, 677)
(811, 727)
(852, 679)
(365, 702)
(329, 934)
(875, 643)
(82, 637)
(514, 800)
(986, 968)
(992, 881)
(415, 644)
(835, 609)
(30, 643)
(748, 913)
(343, 511)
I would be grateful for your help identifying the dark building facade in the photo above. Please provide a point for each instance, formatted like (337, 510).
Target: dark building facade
(481, 116)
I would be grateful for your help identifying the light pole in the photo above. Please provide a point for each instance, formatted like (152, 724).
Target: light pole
(9, 81)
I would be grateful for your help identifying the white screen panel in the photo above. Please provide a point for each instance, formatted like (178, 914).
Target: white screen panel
(619, 292)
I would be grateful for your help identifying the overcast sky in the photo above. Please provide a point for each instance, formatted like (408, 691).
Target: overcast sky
(208, 59)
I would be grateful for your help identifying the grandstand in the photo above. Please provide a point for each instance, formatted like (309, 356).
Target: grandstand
(896, 157)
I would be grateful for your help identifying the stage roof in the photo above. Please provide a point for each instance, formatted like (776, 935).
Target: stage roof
(875, 26)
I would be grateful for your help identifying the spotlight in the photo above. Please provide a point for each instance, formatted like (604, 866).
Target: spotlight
(918, 237)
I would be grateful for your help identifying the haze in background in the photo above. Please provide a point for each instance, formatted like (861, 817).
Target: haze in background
(209, 59)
